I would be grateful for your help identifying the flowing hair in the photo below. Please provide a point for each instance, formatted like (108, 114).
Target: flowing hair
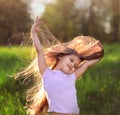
(86, 47)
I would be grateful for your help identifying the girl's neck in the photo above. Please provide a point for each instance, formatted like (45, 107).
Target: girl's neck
(57, 67)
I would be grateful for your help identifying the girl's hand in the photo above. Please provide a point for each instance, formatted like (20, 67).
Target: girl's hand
(35, 27)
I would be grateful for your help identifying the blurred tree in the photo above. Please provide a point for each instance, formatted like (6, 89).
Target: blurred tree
(14, 19)
(92, 19)
(67, 19)
(98, 18)
(111, 17)
(59, 17)
(115, 20)
(101, 20)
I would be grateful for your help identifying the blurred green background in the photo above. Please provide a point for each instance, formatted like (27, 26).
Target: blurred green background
(99, 88)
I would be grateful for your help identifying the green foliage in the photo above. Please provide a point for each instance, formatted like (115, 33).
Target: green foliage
(69, 18)
(11, 98)
(97, 90)
(10, 104)
(59, 18)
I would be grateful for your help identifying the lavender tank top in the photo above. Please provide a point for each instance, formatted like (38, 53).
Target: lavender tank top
(60, 91)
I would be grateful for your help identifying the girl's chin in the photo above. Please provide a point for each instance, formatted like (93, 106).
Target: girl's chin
(67, 72)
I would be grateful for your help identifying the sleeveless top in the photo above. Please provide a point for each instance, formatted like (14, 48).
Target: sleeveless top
(60, 91)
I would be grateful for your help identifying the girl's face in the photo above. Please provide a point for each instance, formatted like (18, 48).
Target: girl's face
(68, 64)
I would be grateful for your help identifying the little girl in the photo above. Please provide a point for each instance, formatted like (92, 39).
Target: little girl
(57, 71)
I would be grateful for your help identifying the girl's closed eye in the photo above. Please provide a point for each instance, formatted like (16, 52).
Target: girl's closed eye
(71, 60)
(75, 66)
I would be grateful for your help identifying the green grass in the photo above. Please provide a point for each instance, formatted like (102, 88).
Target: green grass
(98, 90)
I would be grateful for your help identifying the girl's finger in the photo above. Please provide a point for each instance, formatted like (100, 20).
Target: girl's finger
(37, 18)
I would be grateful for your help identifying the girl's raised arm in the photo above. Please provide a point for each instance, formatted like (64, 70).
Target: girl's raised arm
(40, 54)
(84, 67)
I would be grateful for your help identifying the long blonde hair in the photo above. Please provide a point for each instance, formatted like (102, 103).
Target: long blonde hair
(86, 47)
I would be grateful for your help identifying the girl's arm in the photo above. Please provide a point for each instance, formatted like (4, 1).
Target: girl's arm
(40, 54)
(84, 67)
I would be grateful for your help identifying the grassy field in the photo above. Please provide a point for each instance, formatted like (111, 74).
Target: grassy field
(98, 90)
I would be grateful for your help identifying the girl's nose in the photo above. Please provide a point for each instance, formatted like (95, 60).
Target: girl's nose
(72, 65)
